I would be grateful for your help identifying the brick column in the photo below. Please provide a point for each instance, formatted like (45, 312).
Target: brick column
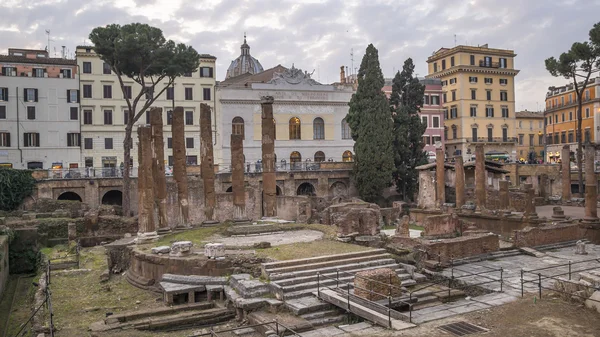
(542, 186)
(237, 178)
(158, 168)
(565, 157)
(268, 158)
(480, 177)
(591, 192)
(503, 194)
(207, 163)
(529, 204)
(459, 168)
(440, 175)
(179, 164)
(146, 228)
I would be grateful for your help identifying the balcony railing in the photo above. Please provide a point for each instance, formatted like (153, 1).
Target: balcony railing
(257, 167)
(90, 172)
(493, 140)
(489, 64)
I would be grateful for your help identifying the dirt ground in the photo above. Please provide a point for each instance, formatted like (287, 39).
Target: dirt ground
(549, 317)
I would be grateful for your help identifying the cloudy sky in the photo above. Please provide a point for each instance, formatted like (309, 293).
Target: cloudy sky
(319, 35)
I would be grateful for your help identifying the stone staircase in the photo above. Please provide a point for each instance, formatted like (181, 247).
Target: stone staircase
(295, 281)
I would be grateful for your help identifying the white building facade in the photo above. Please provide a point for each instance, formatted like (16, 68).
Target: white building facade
(39, 111)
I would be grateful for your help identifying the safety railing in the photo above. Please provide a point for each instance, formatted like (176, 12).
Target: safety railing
(90, 172)
(279, 329)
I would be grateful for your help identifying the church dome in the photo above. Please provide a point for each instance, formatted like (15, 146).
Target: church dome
(245, 63)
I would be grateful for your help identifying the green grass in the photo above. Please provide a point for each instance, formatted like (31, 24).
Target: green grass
(416, 227)
(302, 250)
(21, 308)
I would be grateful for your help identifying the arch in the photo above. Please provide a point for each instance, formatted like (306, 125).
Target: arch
(277, 190)
(338, 189)
(319, 156)
(69, 196)
(113, 197)
(318, 128)
(306, 189)
(237, 126)
(346, 134)
(295, 128)
(347, 156)
(295, 160)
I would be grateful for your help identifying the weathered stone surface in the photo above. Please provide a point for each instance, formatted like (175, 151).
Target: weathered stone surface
(558, 213)
(594, 301)
(566, 173)
(377, 284)
(480, 177)
(145, 182)
(248, 287)
(179, 164)
(403, 226)
(181, 248)
(460, 181)
(214, 250)
(72, 231)
(237, 177)
(580, 248)
(61, 213)
(262, 245)
(268, 157)
(158, 167)
(591, 188)
(194, 279)
(529, 202)
(161, 250)
(503, 194)
(440, 177)
(362, 218)
(444, 225)
(207, 161)
(547, 234)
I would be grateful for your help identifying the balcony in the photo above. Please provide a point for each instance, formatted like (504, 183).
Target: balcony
(490, 64)
(493, 140)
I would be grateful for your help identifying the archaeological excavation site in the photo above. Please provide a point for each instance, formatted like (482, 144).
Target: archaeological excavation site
(486, 249)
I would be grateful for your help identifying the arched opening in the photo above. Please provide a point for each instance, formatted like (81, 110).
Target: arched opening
(295, 160)
(338, 189)
(295, 128)
(277, 190)
(70, 196)
(229, 190)
(319, 156)
(347, 156)
(113, 197)
(237, 126)
(345, 130)
(318, 128)
(306, 189)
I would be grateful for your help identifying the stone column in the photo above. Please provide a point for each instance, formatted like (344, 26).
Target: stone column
(179, 164)
(543, 185)
(529, 204)
(480, 177)
(268, 158)
(146, 228)
(591, 192)
(158, 168)
(503, 194)
(207, 163)
(237, 178)
(459, 168)
(440, 179)
(565, 157)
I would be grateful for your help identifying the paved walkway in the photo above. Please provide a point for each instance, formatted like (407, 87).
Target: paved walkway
(275, 239)
(572, 211)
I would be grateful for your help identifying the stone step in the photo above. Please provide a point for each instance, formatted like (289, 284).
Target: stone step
(321, 314)
(333, 274)
(334, 263)
(329, 282)
(325, 258)
(327, 320)
(531, 252)
(307, 304)
(380, 263)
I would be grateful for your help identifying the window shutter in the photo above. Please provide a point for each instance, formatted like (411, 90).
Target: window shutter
(36, 95)
(77, 95)
(6, 94)
(210, 72)
(68, 96)
(8, 139)
(25, 94)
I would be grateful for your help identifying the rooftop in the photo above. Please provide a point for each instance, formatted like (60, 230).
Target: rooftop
(483, 49)
(40, 60)
(529, 114)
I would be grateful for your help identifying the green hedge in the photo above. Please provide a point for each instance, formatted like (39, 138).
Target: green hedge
(15, 186)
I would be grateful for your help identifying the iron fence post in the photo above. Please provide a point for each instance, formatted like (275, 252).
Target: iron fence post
(540, 284)
(501, 278)
(389, 319)
(521, 282)
(276, 327)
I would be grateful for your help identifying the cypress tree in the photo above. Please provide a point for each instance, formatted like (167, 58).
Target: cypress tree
(371, 126)
(406, 99)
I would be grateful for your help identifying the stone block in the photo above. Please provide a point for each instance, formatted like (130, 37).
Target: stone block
(403, 226)
(214, 250)
(580, 248)
(594, 301)
(161, 250)
(181, 248)
(352, 217)
(377, 284)
(61, 213)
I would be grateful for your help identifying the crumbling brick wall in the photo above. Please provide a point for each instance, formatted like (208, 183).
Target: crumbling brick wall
(548, 234)
(373, 284)
(442, 225)
(461, 247)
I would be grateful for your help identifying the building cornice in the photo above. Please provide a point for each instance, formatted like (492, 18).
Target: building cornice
(570, 106)
(472, 50)
(253, 102)
(475, 70)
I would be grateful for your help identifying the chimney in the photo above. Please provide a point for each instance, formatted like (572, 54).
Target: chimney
(342, 75)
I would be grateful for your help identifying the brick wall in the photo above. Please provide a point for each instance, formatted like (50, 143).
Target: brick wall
(549, 234)
(461, 247)
(441, 225)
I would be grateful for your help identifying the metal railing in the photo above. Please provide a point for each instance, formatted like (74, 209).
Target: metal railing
(283, 166)
(275, 324)
(90, 172)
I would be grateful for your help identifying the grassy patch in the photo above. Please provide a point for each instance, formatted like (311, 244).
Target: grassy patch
(389, 227)
(21, 306)
(416, 227)
(303, 250)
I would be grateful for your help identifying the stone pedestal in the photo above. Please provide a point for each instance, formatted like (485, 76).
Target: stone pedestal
(146, 228)
(566, 173)
(268, 158)
(591, 186)
(158, 169)
(529, 203)
(237, 178)
(214, 250)
(440, 174)
(558, 213)
(503, 194)
(460, 181)
(180, 166)
(181, 248)
(580, 248)
(207, 163)
(480, 177)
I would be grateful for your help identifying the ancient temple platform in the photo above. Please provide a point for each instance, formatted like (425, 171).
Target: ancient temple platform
(275, 239)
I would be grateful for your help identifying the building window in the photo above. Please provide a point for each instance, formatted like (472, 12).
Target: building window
(147, 117)
(87, 91)
(30, 112)
(453, 80)
(170, 160)
(89, 162)
(125, 117)
(206, 72)
(424, 121)
(489, 111)
(170, 117)
(445, 133)
(504, 111)
(435, 121)
(72, 96)
(31, 95)
(453, 111)
(318, 128)
(294, 126)
(443, 64)
(504, 134)
(346, 130)
(170, 93)
(586, 135)
(521, 139)
(87, 67)
(454, 132)
(549, 139)
(191, 160)
(9, 71)
(540, 139)
(38, 72)
(520, 124)
(237, 126)
(488, 80)
(563, 116)
(88, 143)
(74, 113)
(4, 139)
(127, 92)
(587, 112)
(87, 117)
(503, 63)
(503, 96)
(570, 136)
(487, 61)
(474, 133)
(169, 143)
(73, 139)
(347, 156)
(472, 58)
(435, 100)
(473, 79)
(445, 98)
(319, 156)
(2, 111)
(189, 143)
(149, 92)
(587, 95)
(189, 118)
(31, 139)
(295, 157)
(425, 99)
(563, 137)
(488, 95)
(206, 94)
(189, 94)
(473, 111)
(107, 91)
(426, 140)
(4, 94)
(570, 115)
(106, 68)
(66, 73)
(108, 117)
(531, 138)
(490, 135)
(452, 61)
(473, 93)
(434, 67)
(556, 138)
(454, 95)
(108, 143)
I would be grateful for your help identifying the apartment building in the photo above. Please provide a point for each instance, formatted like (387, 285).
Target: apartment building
(104, 110)
(39, 111)
(478, 85)
(561, 118)
(530, 136)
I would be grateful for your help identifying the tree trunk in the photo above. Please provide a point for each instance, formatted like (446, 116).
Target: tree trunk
(579, 150)
(126, 172)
